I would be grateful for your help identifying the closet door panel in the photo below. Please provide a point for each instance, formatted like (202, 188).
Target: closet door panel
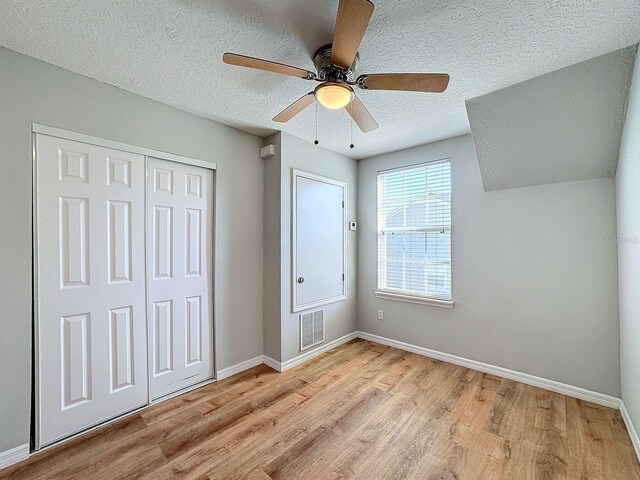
(319, 229)
(180, 229)
(91, 313)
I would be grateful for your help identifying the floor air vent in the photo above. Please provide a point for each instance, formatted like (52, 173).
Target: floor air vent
(311, 329)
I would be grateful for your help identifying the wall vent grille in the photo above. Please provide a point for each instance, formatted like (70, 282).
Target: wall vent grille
(311, 329)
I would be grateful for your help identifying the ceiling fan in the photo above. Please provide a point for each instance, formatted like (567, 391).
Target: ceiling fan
(336, 65)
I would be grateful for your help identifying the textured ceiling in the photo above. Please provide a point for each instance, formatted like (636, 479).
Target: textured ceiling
(171, 51)
(558, 127)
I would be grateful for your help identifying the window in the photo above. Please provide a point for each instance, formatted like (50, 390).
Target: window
(414, 233)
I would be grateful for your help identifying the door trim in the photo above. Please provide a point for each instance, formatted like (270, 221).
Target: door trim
(295, 173)
(35, 301)
(102, 142)
(35, 340)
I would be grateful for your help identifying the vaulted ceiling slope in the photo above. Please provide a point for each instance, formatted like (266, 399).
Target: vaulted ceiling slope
(558, 127)
(171, 51)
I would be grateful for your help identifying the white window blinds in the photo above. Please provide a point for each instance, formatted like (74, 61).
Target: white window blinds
(414, 230)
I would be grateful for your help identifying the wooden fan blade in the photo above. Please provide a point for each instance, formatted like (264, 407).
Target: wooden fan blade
(353, 19)
(251, 62)
(411, 82)
(361, 115)
(295, 108)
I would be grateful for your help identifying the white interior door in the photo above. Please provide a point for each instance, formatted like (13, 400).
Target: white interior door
(319, 241)
(91, 323)
(179, 249)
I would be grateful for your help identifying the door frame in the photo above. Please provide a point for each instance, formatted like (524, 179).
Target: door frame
(37, 128)
(103, 142)
(295, 173)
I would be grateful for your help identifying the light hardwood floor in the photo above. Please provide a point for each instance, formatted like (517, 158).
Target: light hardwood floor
(362, 410)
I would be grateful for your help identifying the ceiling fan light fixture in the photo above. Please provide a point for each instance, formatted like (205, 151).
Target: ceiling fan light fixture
(334, 95)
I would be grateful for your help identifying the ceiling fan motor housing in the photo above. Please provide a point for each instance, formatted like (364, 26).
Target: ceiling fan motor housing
(327, 71)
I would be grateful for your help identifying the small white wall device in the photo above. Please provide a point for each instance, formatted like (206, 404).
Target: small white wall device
(352, 226)
(267, 151)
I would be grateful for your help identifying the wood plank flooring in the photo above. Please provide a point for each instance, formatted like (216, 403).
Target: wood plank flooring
(362, 410)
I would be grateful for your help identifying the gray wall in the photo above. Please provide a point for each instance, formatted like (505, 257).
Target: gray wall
(576, 113)
(534, 274)
(628, 206)
(33, 91)
(272, 208)
(282, 334)
(340, 317)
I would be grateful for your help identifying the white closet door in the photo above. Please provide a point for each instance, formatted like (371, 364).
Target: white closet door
(179, 248)
(319, 228)
(92, 345)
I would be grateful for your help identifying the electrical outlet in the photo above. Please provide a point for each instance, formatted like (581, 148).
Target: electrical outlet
(380, 314)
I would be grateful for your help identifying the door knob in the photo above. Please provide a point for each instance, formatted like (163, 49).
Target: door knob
(300, 279)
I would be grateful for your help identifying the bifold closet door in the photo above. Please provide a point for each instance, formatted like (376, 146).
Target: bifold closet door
(179, 262)
(91, 324)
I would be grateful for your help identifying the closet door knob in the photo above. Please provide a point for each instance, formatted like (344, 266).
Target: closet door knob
(300, 279)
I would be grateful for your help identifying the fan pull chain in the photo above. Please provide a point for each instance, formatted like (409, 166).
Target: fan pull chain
(351, 122)
(316, 141)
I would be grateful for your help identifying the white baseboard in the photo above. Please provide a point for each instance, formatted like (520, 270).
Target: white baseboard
(270, 362)
(14, 455)
(635, 440)
(21, 452)
(558, 387)
(308, 355)
(239, 367)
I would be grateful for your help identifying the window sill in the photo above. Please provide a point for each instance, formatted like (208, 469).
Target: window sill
(407, 298)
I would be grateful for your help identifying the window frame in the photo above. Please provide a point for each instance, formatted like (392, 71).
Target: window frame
(392, 294)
